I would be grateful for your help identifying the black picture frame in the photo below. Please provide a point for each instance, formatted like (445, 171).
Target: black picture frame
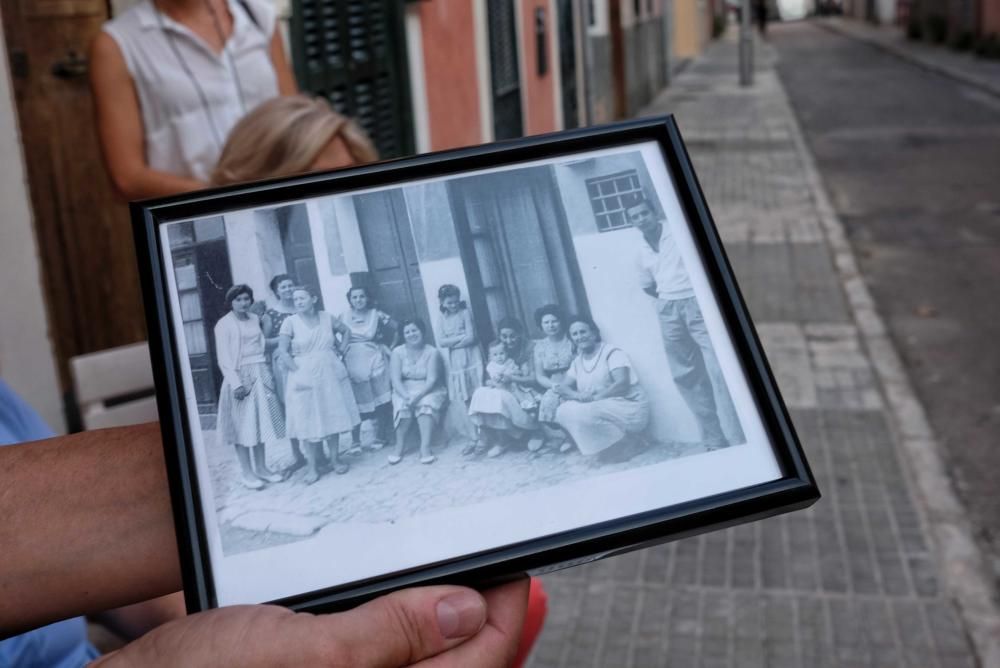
(795, 489)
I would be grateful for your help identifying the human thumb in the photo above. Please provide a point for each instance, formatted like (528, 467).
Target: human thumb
(406, 626)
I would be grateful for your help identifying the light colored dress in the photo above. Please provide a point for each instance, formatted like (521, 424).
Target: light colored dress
(277, 365)
(596, 425)
(500, 375)
(465, 362)
(498, 408)
(319, 400)
(258, 417)
(414, 374)
(553, 359)
(367, 360)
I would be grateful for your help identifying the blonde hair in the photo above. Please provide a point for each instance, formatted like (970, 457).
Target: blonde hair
(283, 136)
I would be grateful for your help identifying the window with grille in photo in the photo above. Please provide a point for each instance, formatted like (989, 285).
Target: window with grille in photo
(611, 195)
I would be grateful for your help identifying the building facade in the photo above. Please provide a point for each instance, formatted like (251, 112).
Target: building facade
(512, 241)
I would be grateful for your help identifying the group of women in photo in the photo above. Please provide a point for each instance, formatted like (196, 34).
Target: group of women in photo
(292, 370)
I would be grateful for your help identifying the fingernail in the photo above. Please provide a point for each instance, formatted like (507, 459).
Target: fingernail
(461, 615)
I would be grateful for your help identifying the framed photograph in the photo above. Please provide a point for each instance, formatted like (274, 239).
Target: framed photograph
(457, 367)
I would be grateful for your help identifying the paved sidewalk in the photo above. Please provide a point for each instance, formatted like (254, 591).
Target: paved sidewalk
(963, 66)
(858, 579)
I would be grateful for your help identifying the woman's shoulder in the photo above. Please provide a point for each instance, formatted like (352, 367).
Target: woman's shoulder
(262, 13)
(225, 321)
(133, 18)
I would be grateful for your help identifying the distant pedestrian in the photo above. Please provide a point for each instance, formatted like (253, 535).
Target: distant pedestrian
(760, 14)
(686, 341)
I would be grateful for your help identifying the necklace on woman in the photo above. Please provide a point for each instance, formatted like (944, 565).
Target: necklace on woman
(596, 358)
(227, 56)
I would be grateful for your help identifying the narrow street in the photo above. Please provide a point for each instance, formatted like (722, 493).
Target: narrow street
(911, 160)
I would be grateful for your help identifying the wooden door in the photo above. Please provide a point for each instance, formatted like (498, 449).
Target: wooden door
(296, 239)
(505, 73)
(392, 256)
(203, 275)
(353, 52)
(83, 231)
(516, 247)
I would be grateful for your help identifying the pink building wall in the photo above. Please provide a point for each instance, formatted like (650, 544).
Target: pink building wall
(538, 93)
(990, 17)
(447, 29)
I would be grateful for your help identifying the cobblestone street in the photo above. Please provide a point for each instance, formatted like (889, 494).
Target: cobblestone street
(856, 580)
(376, 491)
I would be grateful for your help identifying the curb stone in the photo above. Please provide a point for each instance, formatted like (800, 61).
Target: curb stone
(926, 63)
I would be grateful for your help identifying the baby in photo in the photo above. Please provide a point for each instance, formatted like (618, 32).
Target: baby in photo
(501, 369)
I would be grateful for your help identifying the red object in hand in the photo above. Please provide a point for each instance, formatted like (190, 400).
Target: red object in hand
(538, 608)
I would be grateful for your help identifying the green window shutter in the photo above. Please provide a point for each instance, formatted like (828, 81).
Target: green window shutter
(353, 53)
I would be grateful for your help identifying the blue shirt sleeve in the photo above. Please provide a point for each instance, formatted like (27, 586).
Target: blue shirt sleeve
(18, 421)
(63, 644)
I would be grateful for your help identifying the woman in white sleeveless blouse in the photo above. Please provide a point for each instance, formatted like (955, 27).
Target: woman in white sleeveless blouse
(170, 80)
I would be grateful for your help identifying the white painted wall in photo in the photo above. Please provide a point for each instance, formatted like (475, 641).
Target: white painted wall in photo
(332, 215)
(627, 318)
(254, 246)
(186, 381)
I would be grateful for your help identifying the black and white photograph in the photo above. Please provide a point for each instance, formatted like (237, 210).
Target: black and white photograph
(447, 365)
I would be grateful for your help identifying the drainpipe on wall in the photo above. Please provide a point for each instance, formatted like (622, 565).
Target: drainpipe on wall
(746, 45)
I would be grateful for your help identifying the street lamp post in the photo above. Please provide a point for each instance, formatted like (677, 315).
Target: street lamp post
(746, 45)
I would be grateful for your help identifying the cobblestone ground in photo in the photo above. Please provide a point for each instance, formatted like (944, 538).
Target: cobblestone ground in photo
(853, 581)
(376, 491)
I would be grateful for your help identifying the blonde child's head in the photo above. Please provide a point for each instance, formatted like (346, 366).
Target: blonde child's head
(291, 135)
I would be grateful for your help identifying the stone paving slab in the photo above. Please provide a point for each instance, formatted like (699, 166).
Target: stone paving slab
(857, 579)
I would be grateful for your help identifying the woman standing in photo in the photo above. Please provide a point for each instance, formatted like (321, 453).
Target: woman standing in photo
(500, 416)
(553, 355)
(458, 338)
(318, 395)
(419, 392)
(250, 413)
(603, 403)
(370, 337)
(271, 321)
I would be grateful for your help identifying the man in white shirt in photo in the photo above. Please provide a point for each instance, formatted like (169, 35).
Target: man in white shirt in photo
(689, 350)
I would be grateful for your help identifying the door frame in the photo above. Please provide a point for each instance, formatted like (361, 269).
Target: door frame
(470, 263)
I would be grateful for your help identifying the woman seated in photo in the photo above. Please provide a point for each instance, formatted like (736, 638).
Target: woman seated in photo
(419, 391)
(501, 416)
(250, 413)
(319, 398)
(603, 403)
(552, 356)
(271, 320)
(371, 336)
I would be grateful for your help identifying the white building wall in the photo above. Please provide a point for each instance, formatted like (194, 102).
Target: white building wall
(254, 246)
(626, 315)
(27, 360)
